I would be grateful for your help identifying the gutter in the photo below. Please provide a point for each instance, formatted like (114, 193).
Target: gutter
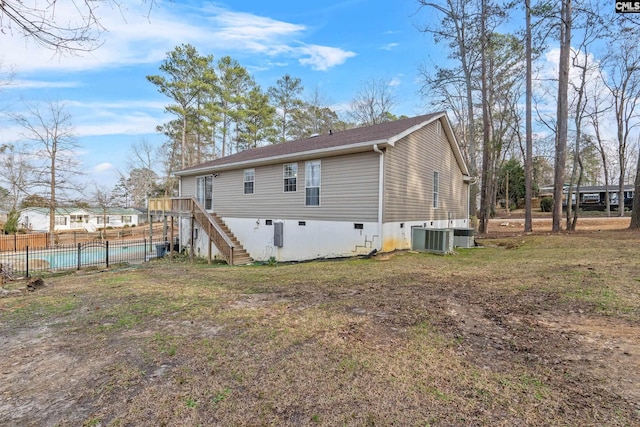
(380, 193)
(470, 180)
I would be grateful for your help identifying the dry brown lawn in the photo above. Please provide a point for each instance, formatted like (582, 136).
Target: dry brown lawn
(538, 330)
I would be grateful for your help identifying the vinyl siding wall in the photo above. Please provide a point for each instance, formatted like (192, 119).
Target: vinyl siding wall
(188, 186)
(348, 192)
(409, 167)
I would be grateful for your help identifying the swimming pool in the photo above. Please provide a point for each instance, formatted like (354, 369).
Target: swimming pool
(82, 255)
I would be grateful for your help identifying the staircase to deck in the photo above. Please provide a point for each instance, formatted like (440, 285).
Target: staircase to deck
(219, 233)
(240, 255)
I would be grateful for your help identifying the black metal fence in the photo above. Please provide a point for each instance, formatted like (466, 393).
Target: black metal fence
(19, 242)
(76, 257)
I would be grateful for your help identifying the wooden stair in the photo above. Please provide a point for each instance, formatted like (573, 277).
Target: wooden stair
(240, 255)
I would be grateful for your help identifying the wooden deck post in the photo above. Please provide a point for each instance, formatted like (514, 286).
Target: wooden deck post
(192, 238)
(171, 238)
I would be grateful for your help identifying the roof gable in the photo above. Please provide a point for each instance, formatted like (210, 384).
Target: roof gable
(351, 140)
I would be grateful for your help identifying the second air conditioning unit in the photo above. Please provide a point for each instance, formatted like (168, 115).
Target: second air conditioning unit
(434, 240)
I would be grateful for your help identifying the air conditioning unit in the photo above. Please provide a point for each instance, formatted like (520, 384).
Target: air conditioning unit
(463, 237)
(439, 241)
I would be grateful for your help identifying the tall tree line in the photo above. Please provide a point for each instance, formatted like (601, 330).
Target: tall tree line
(218, 108)
(493, 83)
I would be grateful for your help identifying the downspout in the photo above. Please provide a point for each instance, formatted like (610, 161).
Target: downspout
(380, 193)
(180, 239)
(470, 181)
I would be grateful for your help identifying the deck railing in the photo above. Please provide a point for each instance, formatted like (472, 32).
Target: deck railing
(207, 222)
(160, 204)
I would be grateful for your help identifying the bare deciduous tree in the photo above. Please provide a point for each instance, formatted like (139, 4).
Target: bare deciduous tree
(65, 27)
(595, 111)
(373, 103)
(140, 180)
(104, 199)
(623, 70)
(53, 152)
(459, 29)
(15, 173)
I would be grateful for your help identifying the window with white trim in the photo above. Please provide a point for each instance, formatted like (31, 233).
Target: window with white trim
(312, 183)
(76, 219)
(436, 188)
(249, 180)
(290, 174)
(103, 220)
(126, 219)
(204, 191)
(61, 220)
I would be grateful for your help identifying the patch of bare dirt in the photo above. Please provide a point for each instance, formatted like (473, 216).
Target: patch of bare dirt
(576, 346)
(53, 373)
(514, 224)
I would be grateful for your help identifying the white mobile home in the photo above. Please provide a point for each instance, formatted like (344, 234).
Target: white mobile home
(334, 195)
(70, 218)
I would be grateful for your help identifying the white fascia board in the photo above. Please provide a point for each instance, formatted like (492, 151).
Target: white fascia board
(455, 146)
(394, 139)
(324, 152)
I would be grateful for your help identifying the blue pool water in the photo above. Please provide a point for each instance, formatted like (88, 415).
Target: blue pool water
(65, 259)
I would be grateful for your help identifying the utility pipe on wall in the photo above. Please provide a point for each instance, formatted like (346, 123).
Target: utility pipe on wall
(380, 193)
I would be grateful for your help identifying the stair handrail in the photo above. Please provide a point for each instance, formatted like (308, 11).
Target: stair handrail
(196, 209)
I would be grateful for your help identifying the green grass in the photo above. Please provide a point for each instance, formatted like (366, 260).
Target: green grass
(473, 338)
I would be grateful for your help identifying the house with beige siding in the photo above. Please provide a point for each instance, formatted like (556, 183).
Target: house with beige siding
(334, 195)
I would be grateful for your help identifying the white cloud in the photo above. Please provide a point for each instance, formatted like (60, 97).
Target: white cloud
(118, 125)
(252, 32)
(389, 46)
(103, 167)
(132, 38)
(395, 81)
(40, 84)
(323, 57)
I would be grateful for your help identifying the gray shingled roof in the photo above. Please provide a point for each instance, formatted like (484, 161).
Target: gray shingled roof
(369, 134)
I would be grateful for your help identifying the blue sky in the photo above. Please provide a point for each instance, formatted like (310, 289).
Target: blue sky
(332, 45)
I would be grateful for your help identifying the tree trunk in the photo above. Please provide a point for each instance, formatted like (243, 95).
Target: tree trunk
(563, 115)
(52, 189)
(635, 214)
(528, 160)
(485, 194)
(621, 186)
(184, 141)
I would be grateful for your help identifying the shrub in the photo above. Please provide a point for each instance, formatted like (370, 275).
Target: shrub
(11, 226)
(546, 204)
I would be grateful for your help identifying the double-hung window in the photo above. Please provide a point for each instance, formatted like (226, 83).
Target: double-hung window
(290, 173)
(249, 180)
(204, 191)
(436, 188)
(61, 220)
(312, 183)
